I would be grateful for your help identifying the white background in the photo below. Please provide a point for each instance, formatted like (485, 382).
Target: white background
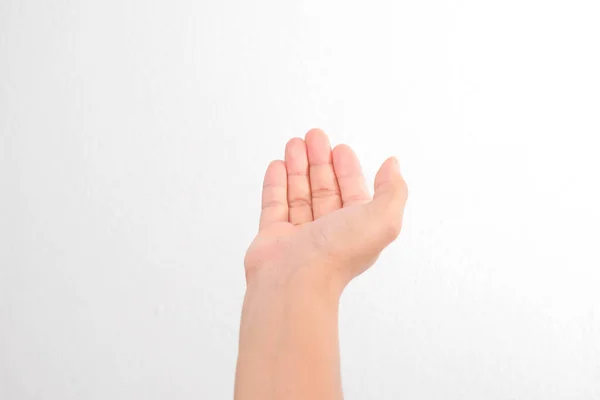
(133, 141)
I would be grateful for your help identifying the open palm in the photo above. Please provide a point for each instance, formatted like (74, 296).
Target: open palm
(318, 211)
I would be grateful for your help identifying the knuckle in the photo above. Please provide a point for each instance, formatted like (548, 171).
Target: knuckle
(404, 189)
(298, 202)
(272, 204)
(324, 192)
(355, 199)
(298, 174)
(391, 230)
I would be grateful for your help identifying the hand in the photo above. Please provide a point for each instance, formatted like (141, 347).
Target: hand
(318, 218)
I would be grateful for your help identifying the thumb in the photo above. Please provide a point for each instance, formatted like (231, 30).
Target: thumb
(387, 207)
(366, 229)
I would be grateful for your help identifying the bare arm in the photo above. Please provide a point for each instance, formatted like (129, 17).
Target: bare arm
(319, 229)
(289, 343)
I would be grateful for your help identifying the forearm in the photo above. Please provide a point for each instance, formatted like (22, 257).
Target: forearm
(289, 342)
(319, 228)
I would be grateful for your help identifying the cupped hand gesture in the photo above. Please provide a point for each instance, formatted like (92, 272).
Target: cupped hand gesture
(319, 220)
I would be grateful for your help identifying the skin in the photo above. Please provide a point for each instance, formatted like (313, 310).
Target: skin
(319, 228)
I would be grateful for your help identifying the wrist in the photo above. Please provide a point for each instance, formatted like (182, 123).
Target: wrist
(317, 281)
(288, 336)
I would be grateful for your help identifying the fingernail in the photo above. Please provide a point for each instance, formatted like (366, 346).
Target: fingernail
(396, 163)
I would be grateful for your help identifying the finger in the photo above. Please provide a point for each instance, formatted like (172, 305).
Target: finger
(274, 195)
(349, 176)
(387, 206)
(368, 228)
(325, 191)
(298, 193)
